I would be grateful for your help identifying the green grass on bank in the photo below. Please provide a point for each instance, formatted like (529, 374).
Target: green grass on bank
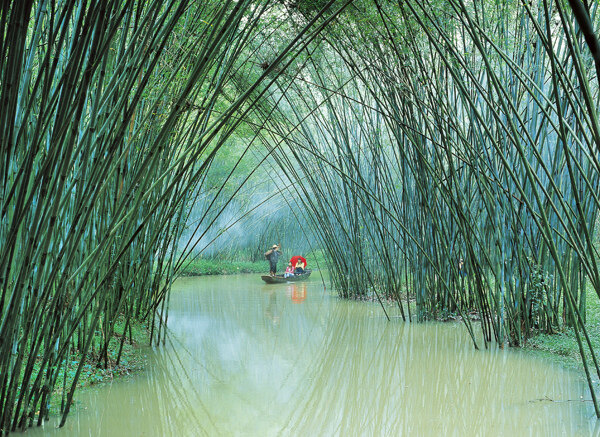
(133, 359)
(562, 347)
(202, 267)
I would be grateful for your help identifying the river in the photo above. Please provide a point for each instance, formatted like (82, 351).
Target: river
(249, 359)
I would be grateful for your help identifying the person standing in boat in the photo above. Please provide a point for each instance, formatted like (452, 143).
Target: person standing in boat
(272, 256)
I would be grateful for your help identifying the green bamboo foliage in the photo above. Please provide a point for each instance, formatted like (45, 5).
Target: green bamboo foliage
(413, 135)
(441, 131)
(112, 113)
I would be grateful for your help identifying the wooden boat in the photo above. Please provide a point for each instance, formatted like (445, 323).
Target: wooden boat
(279, 279)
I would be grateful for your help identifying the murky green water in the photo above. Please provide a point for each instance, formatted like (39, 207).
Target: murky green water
(244, 358)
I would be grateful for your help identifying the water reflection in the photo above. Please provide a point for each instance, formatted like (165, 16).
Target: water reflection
(244, 359)
(377, 378)
(296, 291)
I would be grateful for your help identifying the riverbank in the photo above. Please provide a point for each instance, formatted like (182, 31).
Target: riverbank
(562, 347)
(208, 266)
(133, 358)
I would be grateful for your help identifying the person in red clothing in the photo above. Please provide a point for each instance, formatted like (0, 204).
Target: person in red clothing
(289, 271)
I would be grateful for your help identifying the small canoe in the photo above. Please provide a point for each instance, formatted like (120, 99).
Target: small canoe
(279, 279)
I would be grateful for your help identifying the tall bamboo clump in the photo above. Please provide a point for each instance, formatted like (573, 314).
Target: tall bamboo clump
(449, 131)
(108, 124)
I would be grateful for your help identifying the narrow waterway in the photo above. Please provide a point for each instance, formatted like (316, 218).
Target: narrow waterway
(245, 358)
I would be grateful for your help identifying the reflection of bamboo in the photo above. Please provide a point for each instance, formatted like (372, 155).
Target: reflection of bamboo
(392, 379)
(172, 376)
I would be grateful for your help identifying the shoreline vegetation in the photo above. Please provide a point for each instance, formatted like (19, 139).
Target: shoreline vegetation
(125, 358)
(211, 267)
(561, 346)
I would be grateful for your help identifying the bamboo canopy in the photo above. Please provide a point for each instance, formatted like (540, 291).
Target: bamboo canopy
(444, 154)
(112, 112)
(449, 152)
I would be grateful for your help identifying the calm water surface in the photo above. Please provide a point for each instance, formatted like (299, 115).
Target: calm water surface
(245, 358)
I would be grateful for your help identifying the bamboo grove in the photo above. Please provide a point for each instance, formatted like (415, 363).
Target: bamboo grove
(112, 113)
(446, 154)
